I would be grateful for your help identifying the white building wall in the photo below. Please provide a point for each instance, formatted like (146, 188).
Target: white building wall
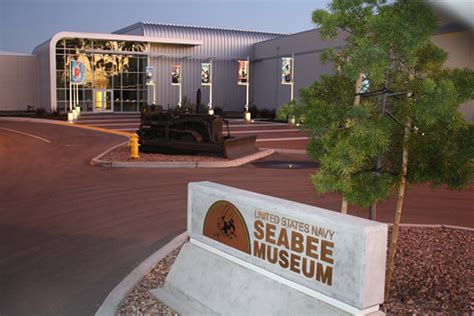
(460, 47)
(18, 82)
(307, 47)
(44, 84)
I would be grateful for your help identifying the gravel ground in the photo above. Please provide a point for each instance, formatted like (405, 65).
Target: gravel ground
(140, 301)
(122, 153)
(434, 273)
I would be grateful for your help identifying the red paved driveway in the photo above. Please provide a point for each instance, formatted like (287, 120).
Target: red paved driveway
(70, 232)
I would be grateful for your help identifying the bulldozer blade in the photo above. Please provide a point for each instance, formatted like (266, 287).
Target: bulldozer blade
(237, 147)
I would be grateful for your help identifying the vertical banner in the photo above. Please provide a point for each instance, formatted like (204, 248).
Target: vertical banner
(149, 75)
(206, 74)
(78, 72)
(176, 75)
(243, 72)
(286, 70)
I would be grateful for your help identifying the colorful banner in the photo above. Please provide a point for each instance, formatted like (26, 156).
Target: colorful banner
(149, 75)
(176, 75)
(286, 71)
(78, 72)
(205, 74)
(243, 72)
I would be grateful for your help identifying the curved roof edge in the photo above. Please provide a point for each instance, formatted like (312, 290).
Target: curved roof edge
(120, 37)
(8, 53)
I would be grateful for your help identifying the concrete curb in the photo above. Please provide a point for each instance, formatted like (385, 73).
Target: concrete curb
(102, 163)
(434, 226)
(179, 164)
(112, 302)
(288, 151)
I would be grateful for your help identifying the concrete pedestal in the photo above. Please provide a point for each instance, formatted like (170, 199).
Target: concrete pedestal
(204, 283)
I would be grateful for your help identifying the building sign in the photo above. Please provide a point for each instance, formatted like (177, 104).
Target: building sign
(149, 75)
(176, 75)
(338, 255)
(206, 73)
(290, 244)
(243, 72)
(78, 72)
(286, 70)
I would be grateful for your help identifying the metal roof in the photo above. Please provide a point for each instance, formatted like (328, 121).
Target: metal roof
(207, 28)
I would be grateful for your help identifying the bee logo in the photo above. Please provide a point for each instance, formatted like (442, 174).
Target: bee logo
(225, 223)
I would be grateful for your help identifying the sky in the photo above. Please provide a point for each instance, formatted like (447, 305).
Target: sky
(24, 24)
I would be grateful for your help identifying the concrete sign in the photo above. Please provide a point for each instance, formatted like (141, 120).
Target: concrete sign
(339, 256)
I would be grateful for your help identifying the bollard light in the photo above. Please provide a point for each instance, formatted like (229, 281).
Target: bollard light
(248, 116)
(78, 111)
(70, 117)
(74, 114)
(211, 112)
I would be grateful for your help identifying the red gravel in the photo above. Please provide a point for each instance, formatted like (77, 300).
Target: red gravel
(122, 154)
(140, 301)
(434, 273)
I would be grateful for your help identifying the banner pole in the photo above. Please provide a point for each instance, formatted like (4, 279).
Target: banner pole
(210, 86)
(247, 85)
(153, 86)
(73, 96)
(292, 76)
(180, 88)
(70, 95)
(179, 103)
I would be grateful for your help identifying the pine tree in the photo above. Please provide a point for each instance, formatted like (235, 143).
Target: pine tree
(407, 128)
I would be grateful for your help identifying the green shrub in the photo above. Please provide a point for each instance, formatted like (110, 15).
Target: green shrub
(291, 110)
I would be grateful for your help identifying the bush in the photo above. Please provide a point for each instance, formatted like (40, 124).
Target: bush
(253, 110)
(291, 110)
(40, 112)
(267, 114)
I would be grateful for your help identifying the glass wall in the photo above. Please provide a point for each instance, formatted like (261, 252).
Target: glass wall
(110, 65)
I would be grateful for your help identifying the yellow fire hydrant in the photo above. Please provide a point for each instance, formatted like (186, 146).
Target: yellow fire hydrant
(133, 144)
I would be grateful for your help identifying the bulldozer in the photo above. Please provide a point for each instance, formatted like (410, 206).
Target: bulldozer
(175, 132)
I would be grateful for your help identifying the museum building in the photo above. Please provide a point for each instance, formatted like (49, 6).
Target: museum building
(115, 66)
(118, 67)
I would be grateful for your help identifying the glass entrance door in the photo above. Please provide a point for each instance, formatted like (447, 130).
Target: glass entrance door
(103, 100)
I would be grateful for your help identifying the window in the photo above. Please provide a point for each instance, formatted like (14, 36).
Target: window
(124, 73)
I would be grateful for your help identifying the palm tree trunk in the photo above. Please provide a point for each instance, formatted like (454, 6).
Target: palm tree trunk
(398, 212)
